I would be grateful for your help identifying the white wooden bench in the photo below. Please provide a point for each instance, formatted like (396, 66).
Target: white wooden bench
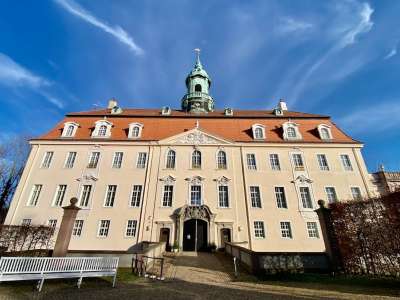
(41, 268)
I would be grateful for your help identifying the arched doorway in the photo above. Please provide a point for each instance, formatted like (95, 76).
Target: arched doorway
(195, 235)
(225, 236)
(164, 237)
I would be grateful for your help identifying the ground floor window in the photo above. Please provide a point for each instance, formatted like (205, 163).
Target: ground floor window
(312, 230)
(104, 227)
(77, 230)
(259, 231)
(286, 230)
(131, 228)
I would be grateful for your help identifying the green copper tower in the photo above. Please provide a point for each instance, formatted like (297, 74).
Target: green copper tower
(197, 99)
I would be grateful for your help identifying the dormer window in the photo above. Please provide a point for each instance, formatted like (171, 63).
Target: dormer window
(324, 132)
(291, 131)
(135, 130)
(258, 131)
(166, 110)
(102, 129)
(69, 129)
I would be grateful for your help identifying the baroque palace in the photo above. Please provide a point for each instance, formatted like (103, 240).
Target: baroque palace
(193, 177)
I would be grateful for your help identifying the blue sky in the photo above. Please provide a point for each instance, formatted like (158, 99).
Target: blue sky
(331, 57)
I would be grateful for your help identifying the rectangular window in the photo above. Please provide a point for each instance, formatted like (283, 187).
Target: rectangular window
(323, 162)
(78, 226)
(60, 193)
(280, 197)
(274, 161)
(85, 195)
(131, 228)
(298, 162)
(312, 230)
(104, 227)
(141, 161)
(255, 196)
(223, 196)
(26, 222)
(167, 197)
(259, 231)
(117, 161)
(48, 156)
(136, 195)
(331, 194)
(286, 230)
(33, 199)
(306, 197)
(110, 196)
(93, 160)
(356, 193)
(251, 161)
(346, 162)
(69, 162)
(195, 195)
(52, 223)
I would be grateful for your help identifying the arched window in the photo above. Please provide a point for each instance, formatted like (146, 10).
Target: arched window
(221, 159)
(291, 132)
(171, 159)
(197, 88)
(196, 159)
(70, 130)
(135, 131)
(325, 134)
(102, 130)
(258, 133)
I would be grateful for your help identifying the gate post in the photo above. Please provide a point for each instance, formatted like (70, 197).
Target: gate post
(65, 231)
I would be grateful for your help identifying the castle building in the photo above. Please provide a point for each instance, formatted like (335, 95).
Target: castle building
(193, 177)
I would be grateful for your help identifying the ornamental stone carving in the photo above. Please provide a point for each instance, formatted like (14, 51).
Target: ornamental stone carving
(223, 180)
(302, 179)
(87, 177)
(201, 212)
(195, 179)
(168, 180)
(197, 137)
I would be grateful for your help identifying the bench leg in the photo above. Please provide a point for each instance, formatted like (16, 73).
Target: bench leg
(79, 282)
(40, 284)
(115, 278)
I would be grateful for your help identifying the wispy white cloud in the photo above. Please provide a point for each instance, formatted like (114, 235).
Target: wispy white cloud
(392, 53)
(288, 25)
(14, 75)
(11, 73)
(375, 118)
(116, 31)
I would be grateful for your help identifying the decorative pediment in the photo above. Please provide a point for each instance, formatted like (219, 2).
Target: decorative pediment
(195, 136)
(195, 179)
(222, 180)
(168, 180)
(87, 177)
(202, 212)
(302, 179)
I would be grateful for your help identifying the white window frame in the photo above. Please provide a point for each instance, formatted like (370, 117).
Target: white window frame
(201, 194)
(131, 127)
(66, 165)
(326, 194)
(221, 166)
(329, 131)
(201, 160)
(316, 228)
(55, 198)
(293, 125)
(100, 227)
(264, 233)
(346, 168)
(141, 166)
(172, 194)
(26, 222)
(89, 198)
(295, 167)
(133, 227)
(77, 230)
(117, 162)
(98, 124)
(301, 199)
(108, 203)
(91, 154)
(279, 168)
(261, 127)
(260, 194)
(290, 229)
(228, 195)
(276, 198)
(33, 201)
(321, 167)
(351, 192)
(52, 223)
(65, 132)
(167, 158)
(251, 168)
(47, 159)
(140, 197)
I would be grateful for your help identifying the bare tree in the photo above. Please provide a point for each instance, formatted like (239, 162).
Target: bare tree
(13, 154)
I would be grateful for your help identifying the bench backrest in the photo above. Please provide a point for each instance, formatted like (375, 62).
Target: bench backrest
(38, 265)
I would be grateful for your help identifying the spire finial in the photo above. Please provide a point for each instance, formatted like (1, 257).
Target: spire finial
(197, 50)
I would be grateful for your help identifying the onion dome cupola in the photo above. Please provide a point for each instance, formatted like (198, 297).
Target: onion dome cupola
(197, 99)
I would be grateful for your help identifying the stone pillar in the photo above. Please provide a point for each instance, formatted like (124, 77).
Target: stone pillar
(65, 231)
(329, 236)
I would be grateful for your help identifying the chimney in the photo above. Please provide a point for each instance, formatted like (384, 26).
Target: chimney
(282, 105)
(112, 103)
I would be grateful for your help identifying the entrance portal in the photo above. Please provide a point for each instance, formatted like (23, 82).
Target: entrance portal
(164, 237)
(225, 236)
(195, 235)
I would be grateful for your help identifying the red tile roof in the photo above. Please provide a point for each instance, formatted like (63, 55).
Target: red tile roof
(236, 128)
